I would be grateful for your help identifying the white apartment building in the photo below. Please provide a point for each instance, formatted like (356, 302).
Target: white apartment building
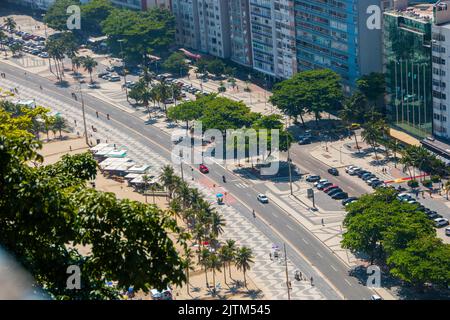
(214, 27)
(273, 37)
(142, 4)
(441, 69)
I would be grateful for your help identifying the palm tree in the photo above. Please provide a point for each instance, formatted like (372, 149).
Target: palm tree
(217, 224)
(60, 124)
(55, 51)
(89, 64)
(168, 180)
(205, 262)
(215, 264)
(10, 24)
(3, 37)
(408, 160)
(394, 145)
(447, 188)
(226, 256)
(48, 124)
(77, 62)
(188, 255)
(244, 258)
(232, 249)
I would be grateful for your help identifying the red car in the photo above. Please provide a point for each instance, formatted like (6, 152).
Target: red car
(203, 168)
(327, 189)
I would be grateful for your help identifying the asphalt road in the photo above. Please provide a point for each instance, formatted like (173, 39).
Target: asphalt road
(271, 220)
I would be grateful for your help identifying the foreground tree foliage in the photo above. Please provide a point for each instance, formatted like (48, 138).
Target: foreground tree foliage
(46, 212)
(397, 235)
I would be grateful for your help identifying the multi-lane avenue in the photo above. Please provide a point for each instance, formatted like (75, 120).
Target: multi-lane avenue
(304, 249)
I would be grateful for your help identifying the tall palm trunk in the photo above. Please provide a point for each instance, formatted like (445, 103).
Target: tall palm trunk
(224, 273)
(245, 279)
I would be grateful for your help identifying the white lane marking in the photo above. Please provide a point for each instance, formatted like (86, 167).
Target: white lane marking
(290, 227)
(348, 282)
(332, 267)
(319, 254)
(305, 241)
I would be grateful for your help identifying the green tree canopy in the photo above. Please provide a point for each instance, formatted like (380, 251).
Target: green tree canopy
(142, 32)
(176, 63)
(312, 91)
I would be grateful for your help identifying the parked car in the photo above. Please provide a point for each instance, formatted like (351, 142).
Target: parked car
(354, 171)
(93, 86)
(349, 200)
(371, 180)
(368, 176)
(333, 171)
(114, 78)
(378, 184)
(262, 198)
(321, 181)
(203, 168)
(313, 178)
(304, 141)
(375, 297)
(328, 189)
(440, 222)
(447, 232)
(322, 186)
(340, 195)
(334, 191)
(360, 173)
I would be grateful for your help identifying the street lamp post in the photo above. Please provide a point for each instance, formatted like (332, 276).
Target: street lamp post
(124, 70)
(84, 114)
(181, 164)
(289, 160)
(287, 273)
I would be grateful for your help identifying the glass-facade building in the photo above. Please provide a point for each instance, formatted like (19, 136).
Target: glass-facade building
(407, 64)
(326, 33)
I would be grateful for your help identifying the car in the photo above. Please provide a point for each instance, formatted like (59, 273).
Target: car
(371, 180)
(322, 186)
(354, 171)
(334, 191)
(35, 52)
(262, 198)
(107, 76)
(313, 178)
(304, 141)
(44, 55)
(375, 297)
(340, 195)
(367, 176)
(402, 196)
(348, 168)
(93, 86)
(203, 168)
(333, 171)
(432, 215)
(412, 201)
(177, 139)
(349, 200)
(321, 181)
(440, 222)
(360, 173)
(114, 78)
(377, 184)
(328, 189)
(447, 232)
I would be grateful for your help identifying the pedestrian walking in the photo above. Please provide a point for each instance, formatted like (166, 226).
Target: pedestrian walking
(270, 255)
(312, 283)
(322, 222)
(70, 148)
(96, 113)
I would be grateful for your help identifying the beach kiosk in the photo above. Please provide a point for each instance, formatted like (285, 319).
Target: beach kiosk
(219, 198)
